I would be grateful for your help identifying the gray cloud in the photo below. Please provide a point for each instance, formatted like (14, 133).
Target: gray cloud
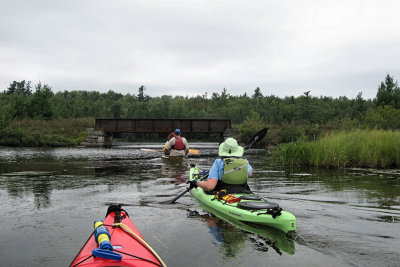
(331, 48)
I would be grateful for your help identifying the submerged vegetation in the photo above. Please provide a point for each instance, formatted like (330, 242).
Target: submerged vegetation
(358, 148)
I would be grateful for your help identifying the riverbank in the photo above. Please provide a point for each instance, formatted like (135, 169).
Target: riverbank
(49, 133)
(357, 148)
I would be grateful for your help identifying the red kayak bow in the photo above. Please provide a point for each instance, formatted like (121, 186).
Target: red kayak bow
(116, 242)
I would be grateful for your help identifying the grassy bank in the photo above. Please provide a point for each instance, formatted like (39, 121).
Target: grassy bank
(62, 132)
(358, 148)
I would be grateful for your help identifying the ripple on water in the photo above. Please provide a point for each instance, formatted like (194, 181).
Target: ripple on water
(340, 215)
(389, 219)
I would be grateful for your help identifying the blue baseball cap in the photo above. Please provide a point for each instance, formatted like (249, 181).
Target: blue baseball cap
(178, 131)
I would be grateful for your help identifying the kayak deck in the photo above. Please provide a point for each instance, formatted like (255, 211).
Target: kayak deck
(125, 239)
(283, 220)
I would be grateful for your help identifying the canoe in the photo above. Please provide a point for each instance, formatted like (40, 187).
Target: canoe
(192, 152)
(247, 207)
(126, 247)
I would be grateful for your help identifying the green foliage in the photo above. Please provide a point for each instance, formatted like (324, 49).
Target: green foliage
(21, 88)
(251, 124)
(342, 124)
(257, 93)
(294, 154)
(11, 137)
(290, 119)
(30, 132)
(384, 117)
(39, 105)
(388, 93)
(116, 110)
(290, 133)
(17, 106)
(359, 107)
(141, 96)
(358, 148)
(5, 116)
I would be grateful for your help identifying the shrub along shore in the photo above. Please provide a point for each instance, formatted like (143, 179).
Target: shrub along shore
(45, 118)
(356, 148)
(48, 133)
(336, 149)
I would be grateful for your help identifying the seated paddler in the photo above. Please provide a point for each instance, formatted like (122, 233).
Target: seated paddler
(229, 172)
(177, 146)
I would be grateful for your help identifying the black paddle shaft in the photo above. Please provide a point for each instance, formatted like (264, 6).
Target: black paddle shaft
(172, 201)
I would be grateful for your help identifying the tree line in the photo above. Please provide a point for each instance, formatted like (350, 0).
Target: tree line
(20, 101)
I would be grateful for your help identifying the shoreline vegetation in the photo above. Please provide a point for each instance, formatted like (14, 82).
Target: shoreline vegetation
(304, 130)
(45, 133)
(356, 148)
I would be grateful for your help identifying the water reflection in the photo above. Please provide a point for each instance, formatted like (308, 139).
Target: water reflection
(377, 188)
(20, 183)
(232, 235)
(348, 213)
(175, 167)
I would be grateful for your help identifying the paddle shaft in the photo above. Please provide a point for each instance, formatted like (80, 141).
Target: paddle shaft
(191, 151)
(172, 201)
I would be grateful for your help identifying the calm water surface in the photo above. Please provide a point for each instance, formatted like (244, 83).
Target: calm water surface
(49, 199)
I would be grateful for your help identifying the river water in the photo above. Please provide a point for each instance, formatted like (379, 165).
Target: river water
(50, 197)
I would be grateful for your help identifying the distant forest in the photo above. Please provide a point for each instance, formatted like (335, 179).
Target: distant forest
(22, 100)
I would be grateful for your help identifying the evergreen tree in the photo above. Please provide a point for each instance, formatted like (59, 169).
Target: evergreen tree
(257, 93)
(39, 105)
(388, 93)
(116, 110)
(359, 107)
(141, 96)
(22, 87)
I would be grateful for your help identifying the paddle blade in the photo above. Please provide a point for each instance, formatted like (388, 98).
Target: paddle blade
(194, 151)
(257, 137)
(172, 201)
(150, 150)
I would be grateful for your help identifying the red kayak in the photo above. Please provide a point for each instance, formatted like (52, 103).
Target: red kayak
(116, 242)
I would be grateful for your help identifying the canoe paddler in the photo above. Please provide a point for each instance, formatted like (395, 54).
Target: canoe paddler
(230, 172)
(177, 146)
(171, 135)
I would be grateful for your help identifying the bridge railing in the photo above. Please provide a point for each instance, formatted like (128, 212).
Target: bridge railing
(162, 125)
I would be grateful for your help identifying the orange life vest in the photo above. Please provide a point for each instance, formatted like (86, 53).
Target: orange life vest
(179, 145)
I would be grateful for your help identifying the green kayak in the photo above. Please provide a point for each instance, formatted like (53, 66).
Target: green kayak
(277, 239)
(250, 208)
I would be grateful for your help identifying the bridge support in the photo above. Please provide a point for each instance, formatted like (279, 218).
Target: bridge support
(97, 138)
(102, 135)
(108, 139)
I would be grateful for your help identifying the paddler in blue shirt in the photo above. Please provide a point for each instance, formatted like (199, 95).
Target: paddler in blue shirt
(229, 172)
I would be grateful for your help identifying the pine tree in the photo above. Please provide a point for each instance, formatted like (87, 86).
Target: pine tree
(388, 93)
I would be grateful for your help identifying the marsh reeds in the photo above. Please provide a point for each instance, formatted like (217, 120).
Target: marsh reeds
(357, 148)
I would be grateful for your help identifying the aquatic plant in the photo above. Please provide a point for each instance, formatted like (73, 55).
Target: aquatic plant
(357, 148)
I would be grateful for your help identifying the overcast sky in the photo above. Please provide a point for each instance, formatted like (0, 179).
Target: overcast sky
(183, 47)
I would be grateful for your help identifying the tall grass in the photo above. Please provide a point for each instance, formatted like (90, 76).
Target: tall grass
(62, 132)
(57, 126)
(358, 148)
